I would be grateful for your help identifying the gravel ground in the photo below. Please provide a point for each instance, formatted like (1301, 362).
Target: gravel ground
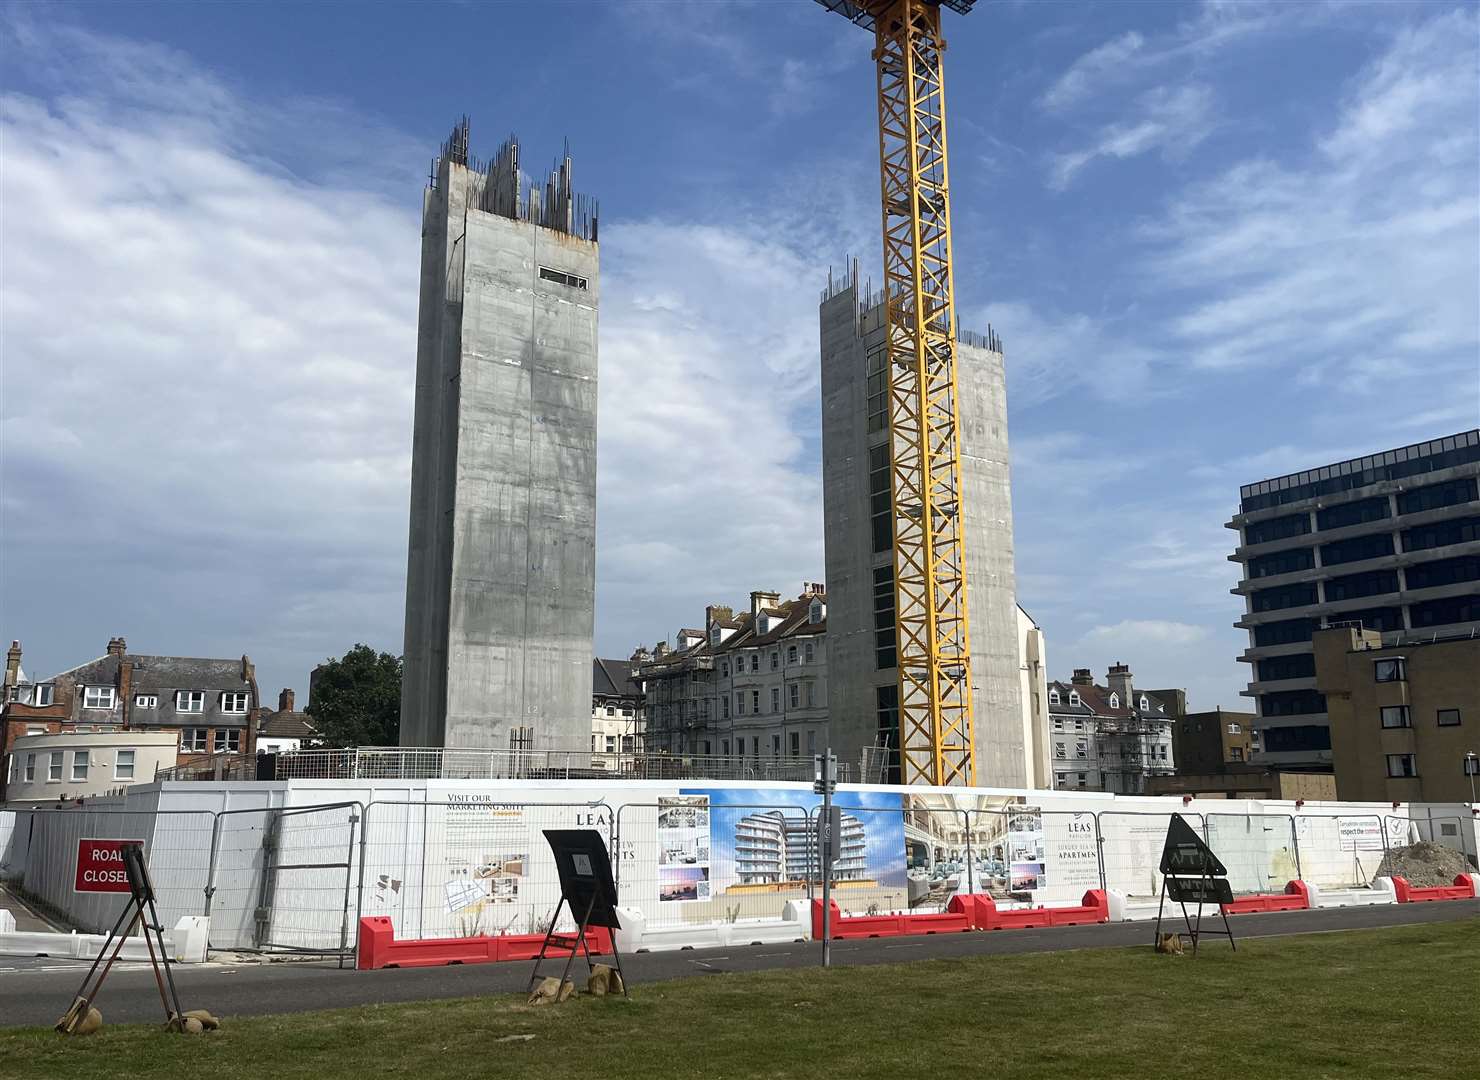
(1424, 864)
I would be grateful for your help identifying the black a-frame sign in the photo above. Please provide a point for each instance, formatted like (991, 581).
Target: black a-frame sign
(1192, 874)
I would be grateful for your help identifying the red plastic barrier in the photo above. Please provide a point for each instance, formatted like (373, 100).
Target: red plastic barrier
(855, 926)
(1462, 889)
(378, 947)
(985, 915)
(1296, 897)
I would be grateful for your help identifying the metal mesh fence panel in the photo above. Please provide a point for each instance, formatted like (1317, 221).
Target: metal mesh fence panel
(469, 867)
(176, 848)
(1130, 850)
(308, 869)
(1340, 851)
(1259, 850)
(942, 855)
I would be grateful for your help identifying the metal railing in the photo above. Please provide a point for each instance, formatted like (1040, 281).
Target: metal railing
(211, 767)
(414, 763)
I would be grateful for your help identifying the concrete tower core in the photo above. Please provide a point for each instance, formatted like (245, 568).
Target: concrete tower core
(858, 533)
(500, 582)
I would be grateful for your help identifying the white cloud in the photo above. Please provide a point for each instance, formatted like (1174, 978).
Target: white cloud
(1131, 55)
(1366, 256)
(1145, 634)
(1090, 69)
(209, 356)
(1170, 119)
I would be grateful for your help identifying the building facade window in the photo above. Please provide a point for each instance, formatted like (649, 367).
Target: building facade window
(724, 669)
(44, 693)
(1060, 750)
(755, 661)
(1289, 561)
(1401, 765)
(1053, 697)
(1390, 669)
(1234, 729)
(1280, 528)
(1357, 548)
(1081, 749)
(193, 739)
(79, 764)
(190, 701)
(796, 744)
(54, 767)
(775, 659)
(791, 654)
(885, 655)
(30, 768)
(123, 765)
(807, 652)
(795, 695)
(1235, 753)
(1437, 495)
(1449, 718)
(755, 704)
(146, 701)
(881, 513)
(775, 745)
(1284, 633)
(236, 702)
(724, 707)
(1353, 513)
(775, 699)
(1073, 697)
(1115, 701)
(229, 741)
(97, 697)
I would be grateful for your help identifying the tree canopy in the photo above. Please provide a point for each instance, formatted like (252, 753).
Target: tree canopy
(356, 699)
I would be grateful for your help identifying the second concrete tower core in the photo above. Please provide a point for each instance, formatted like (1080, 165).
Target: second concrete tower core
(863, 682)
(500, 584)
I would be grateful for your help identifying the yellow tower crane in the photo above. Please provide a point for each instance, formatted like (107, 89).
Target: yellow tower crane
(937, 743)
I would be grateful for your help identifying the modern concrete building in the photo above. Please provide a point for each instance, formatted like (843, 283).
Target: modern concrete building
(1390, 542)
(1109, 738)
(1403, 713)
(859, 530)
(501, 566)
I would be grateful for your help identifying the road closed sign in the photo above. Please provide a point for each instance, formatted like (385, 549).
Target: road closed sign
(100, 866)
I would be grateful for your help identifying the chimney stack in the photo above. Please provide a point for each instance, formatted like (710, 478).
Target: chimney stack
(759, 600)
(285, 700)
(1082, 677)
(1119, 680)
(12, 667)
(117, 646)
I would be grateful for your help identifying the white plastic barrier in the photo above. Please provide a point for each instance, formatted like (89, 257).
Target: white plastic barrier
(1381, 892)
(186, 942)
(635, 935)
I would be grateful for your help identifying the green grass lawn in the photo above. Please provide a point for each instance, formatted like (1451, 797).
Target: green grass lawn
(1370, 1003)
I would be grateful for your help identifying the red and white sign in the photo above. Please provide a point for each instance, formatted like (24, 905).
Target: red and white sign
(100, 866)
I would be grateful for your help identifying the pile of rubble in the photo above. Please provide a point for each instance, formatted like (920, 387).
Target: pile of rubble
(1424, 864)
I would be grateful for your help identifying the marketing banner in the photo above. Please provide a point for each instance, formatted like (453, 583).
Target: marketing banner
(683, 849)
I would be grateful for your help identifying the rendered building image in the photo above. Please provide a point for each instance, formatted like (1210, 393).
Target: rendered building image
(1389, 542)
(501, 564)
(776, 848)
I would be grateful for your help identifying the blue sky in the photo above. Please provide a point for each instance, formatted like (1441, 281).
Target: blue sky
(1220, 242)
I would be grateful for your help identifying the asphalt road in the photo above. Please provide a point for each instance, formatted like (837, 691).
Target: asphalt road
(38, 995)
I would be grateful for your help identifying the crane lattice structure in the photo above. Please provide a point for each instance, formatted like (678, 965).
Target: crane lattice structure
(937, 744)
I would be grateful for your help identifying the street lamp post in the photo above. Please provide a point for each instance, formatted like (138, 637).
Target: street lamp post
(1472, 766)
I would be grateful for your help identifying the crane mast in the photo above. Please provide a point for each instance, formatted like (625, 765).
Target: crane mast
(937, 744)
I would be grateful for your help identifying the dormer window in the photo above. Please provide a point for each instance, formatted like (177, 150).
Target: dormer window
(815, 612)
(1144, 703)
(1073, 697)
(1115, 701)
(714, 638)
(1053, 697)
(97, 697)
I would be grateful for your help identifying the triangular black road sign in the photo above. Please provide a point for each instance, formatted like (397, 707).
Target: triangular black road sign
(1186, 854)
